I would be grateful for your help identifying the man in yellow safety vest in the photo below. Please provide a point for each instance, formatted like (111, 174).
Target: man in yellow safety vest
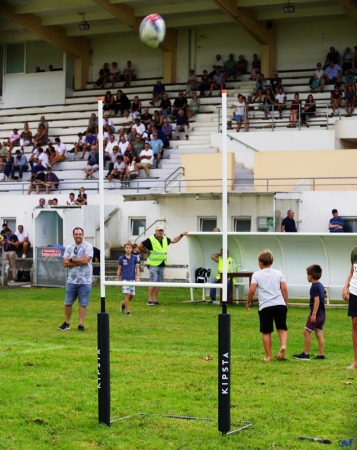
(156, 248)
(231, 267)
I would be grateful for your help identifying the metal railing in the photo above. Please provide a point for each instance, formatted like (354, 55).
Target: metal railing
(273, 109)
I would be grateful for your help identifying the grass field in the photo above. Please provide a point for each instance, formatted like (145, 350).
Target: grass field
(48, 378)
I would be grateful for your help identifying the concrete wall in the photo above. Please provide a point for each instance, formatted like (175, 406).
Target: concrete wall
(205, 167)
(302, 167)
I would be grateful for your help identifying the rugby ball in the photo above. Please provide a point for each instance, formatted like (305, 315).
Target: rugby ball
(152, 30)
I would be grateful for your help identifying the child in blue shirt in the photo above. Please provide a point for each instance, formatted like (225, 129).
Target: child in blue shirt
(317, 317)
(128, 270)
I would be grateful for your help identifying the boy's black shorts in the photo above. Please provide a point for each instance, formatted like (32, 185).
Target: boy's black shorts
(272, 314)
(352, 306)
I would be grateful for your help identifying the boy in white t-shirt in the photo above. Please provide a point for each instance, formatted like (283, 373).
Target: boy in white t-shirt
(273, 303)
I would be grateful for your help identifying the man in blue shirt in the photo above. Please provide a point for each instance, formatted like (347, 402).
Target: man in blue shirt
(157, 147)
(336, 223)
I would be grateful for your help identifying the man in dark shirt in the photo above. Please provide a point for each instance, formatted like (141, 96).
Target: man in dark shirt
(156, 249)
(10, 243)
(165, 106)
(179, 103)
(336, 223)
(182, 124)
(146, 117)
(288, 224)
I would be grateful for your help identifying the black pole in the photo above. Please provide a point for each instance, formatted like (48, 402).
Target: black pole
(103, 368)
(224, 370)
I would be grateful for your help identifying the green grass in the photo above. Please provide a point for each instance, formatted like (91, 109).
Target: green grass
(48, 378)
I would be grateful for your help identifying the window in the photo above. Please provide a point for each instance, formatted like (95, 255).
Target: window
(11, 223)
(137, 226)
(241, 224)
(350, 225)
(208, 223)
(265, 224)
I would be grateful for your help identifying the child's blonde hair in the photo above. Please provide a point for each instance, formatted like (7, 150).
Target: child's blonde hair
(128, 243)
(266, 257)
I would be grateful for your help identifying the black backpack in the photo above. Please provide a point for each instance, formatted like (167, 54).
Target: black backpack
(202, 275)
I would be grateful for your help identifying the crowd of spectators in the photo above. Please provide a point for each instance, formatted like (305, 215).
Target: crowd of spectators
(141, 131)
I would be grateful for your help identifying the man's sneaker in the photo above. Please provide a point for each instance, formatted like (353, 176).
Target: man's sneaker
(128, 314)
(303, 356)
(23, 256)
(157, 303)
(122, 307)
(151, 303)
(81, 327)
(320, 357)
(65, 326)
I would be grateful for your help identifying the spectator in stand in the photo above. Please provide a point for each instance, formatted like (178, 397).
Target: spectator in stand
(269, 103)
(136, 107)
(109, 103)
(157, 92)
(179, 103)
(34, 156)
(110, 145)
(71, 201)
(51, 152)
(315, 80)
(332, 55)
(192, 83)
(131, 152)
(50, 182)
(354, 59)
(241, 67)
(132, 134)
(82, 197)
(309, 110)
(93, 125)
(104, 74)
(25, 137)
(114, 75)
(118, 170)
(121, 132)
(146, 117)
(275, 83)
(121, 103)
(350, 98)
(350, 80)
(61, 152)
(157, 147)
(8, 161)
(288, 225)
(280, 98)
(44, 122)
(131, 171)
(193, 105)
(10, 244)
(93, 162)
(218, 82)
(336, 99)
(78, 146)
(157, 120)
(295, 111)
(230, 66)
(40, 138)
(146, 158)
(147, 136)
(256, 67)
(123, 144)
(137, 144)
(41, 161)
(35, 179)
(23, 239)
(19, 164)
(113, 159)
(167, 129)
(205, 83)
(140, 127)
(129, 74)
(217, 64)
(89, 141)
(260, 88)
(128, 120)
(108, 124)
(13, 140)
(240, 113)
(161, 135)
(336, 223)
(165, 106)
(182, 124)
(332, 75)
(347, 60)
